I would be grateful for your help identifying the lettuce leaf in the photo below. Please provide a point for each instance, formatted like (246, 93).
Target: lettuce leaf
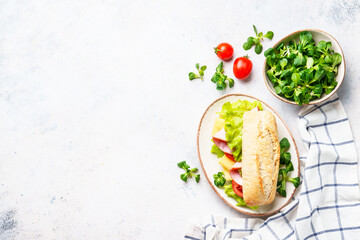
(233, 115)
(215, 149)
(230, 193)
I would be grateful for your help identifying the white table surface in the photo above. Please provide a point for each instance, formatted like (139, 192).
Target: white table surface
(96, 107)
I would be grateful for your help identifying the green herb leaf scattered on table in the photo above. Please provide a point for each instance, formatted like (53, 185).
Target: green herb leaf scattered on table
(188, 172)
(251, 41)
(285, 161)
(303, 71)
(220, 79)
(201, 70)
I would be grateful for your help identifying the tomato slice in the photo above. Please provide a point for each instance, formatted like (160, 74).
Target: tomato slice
(237, 189)
(229, 156)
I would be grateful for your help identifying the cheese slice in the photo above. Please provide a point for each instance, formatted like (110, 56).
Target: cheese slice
(218, 125)
(227, 174)
(226, 162)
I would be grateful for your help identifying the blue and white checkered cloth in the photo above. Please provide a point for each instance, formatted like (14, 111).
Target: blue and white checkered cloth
(326, 205)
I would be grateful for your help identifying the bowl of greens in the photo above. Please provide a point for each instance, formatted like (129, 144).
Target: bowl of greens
(305, 67)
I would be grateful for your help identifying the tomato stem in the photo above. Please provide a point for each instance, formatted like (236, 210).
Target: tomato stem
(217, 50)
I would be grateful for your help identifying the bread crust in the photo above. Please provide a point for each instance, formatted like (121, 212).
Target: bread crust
(260, 157)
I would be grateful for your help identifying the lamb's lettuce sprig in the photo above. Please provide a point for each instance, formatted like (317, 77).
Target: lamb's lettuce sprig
(201, 70)
(221, 79)
(219, 179)
(188, 172)
(257, 40)
(286, 166)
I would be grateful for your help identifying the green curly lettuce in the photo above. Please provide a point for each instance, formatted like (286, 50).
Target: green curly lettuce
(216, 150)
(233, 115)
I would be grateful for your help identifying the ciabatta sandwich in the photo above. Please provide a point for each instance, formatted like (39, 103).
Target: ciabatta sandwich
(260, 157)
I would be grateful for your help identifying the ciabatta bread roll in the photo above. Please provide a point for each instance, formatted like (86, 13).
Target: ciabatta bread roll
(260, 157)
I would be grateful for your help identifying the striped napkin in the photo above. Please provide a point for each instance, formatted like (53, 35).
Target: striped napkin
(327, 203)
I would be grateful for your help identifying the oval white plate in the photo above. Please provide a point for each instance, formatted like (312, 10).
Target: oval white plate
(209, 161)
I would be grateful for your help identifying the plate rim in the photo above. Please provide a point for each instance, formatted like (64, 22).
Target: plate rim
(207, 177)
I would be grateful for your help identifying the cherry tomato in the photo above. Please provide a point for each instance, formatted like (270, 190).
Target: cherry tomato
(242, 67)
(224, 51)
(237, 189)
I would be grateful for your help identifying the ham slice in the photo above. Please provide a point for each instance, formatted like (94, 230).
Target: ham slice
(220, 135)
(220, 140)
(234, 173)
(223, 146)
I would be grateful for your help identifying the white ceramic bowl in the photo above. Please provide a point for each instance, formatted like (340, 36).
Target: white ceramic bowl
(210, 165)
(318, 35)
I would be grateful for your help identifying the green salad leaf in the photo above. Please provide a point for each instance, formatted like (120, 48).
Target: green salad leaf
(215, 149)
(233, 115)
(302, 70)
(240, 201)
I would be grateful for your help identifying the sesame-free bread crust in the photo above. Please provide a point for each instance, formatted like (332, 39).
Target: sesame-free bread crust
(260, 157)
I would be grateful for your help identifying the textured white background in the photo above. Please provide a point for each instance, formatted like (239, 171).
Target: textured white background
(96, 108)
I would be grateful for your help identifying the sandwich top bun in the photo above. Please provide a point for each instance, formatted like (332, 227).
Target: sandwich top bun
(260, 157)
